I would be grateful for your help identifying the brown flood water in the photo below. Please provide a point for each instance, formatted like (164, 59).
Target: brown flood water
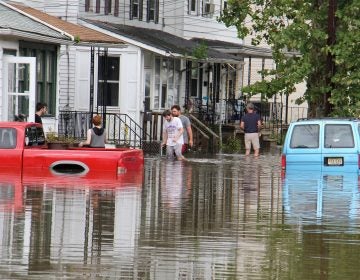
(221, 217)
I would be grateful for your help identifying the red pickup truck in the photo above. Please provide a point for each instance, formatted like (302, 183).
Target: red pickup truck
(23, 150)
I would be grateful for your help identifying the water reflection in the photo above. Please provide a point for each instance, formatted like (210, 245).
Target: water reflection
(317, 197)
(225, 217)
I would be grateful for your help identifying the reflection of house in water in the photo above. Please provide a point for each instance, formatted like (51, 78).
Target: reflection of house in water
(201, 229)
(222, 198)
(78, 224)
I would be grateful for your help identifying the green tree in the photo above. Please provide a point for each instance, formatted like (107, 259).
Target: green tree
(313, 41)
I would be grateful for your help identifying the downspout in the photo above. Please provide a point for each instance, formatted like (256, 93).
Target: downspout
(68, 77)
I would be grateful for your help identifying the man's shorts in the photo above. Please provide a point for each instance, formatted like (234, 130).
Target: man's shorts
(184, 148)
(171, 150)
(252, 138)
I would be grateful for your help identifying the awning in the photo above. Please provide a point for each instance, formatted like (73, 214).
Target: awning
(160, 42)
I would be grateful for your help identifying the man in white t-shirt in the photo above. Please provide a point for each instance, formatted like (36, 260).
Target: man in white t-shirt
(172, 135)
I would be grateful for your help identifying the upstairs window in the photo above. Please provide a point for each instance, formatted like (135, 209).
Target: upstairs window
(107, 7)
(152, 11)
(208, 8)
(193, 6)
(136, 9)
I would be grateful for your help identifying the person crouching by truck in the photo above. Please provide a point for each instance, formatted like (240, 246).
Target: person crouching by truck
(172, 136)
(96, 136)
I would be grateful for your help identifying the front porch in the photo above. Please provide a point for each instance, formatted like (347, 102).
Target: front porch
(210, 129)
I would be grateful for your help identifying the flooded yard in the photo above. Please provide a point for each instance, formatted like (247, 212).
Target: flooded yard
(218, 217)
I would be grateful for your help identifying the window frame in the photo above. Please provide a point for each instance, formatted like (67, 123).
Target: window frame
(166, 91)
(45, 78)
(100, 81)
(293, 135)
(330, 142)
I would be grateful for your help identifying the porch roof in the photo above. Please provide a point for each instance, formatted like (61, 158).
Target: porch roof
(243, 50)
(14, 23)
(161, 42)
(82, 35)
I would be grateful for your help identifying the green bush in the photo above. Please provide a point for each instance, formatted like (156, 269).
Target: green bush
(232, 145)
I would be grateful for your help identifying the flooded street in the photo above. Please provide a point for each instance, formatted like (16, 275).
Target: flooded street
(222, 217)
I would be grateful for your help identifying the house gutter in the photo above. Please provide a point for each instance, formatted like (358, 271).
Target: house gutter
(37, 20)
(33, 36)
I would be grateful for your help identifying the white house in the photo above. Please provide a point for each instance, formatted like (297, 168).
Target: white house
(22, 40)
(173, 56)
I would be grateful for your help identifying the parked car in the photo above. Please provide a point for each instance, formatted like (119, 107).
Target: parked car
(327, 144)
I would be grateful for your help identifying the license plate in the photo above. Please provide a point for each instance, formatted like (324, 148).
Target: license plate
(334, 161)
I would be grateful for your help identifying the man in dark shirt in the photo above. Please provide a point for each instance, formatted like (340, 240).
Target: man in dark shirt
(251, 124)
(41, 109)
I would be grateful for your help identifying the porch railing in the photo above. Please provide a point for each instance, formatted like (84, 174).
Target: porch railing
(121, 129)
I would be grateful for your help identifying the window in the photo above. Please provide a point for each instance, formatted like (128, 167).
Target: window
(338, 136)
(108, 81)
(147, 89)
(136, 9)
(7, 138)
(87, 5)
(194, 81)
(34, 136)
(9, 52)
(153, 10)
(107, 7)
(45, 72)
(305, 136)
(167, 82)
(193, 6)
(208, 8)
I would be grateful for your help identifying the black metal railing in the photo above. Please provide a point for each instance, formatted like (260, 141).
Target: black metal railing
(231, 110)
(121, 129)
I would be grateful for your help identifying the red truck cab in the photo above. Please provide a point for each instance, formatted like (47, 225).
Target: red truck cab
(23, 150)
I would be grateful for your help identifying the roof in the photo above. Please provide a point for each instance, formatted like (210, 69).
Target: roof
(81, 33)
(244, 50)
(162, 41)
(13, 23)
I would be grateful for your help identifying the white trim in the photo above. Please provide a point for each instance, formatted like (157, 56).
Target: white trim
(24, 34)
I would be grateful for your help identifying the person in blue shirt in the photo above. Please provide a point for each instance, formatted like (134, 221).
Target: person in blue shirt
(251, 125)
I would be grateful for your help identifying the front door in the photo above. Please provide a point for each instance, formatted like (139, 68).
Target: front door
(19, 89)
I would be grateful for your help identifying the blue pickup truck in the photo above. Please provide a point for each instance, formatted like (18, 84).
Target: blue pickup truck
(328, 144)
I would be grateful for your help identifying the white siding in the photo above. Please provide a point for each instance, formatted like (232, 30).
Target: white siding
(66, 68)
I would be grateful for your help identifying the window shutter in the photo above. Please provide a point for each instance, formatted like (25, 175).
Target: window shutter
(97, 8)
(116, 8)
(131, 10)
(147, 10)
(87, 5)
(156, 11)
(140, 9)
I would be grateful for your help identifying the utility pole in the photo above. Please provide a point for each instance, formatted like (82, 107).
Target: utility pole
(330, 64)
